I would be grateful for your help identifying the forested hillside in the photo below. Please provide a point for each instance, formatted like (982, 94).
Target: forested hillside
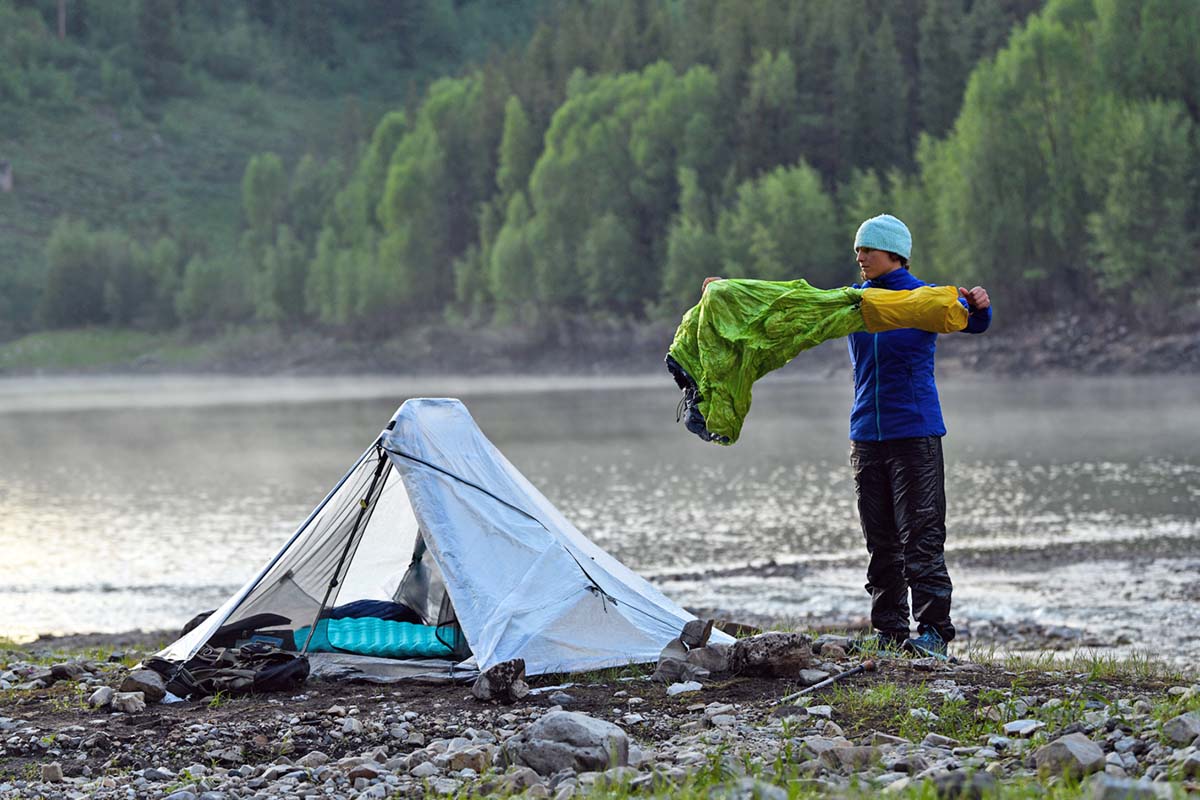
(622, 150)
(126, 127)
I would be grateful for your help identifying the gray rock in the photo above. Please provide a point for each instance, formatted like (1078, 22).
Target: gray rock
(312, 760)
(1182, 730)
(673, 670)
(426, 769)
(519, 779)
(146, 681)
(879, 739)
(101, 697)
(684, 688)
(850, 759)
(369, 770)
(830, 640)
(1109, 787)
(52, 773)
(713, 657)
(810, 676)
(68, 671)
(1023, 727)
(815, 746)
(695, 633)
(937, 740)
(1191, 766)
(963, 785)
(772, 654)
(567, 740)
(833, 652)
(129, 702)
(503, 682)
(748, 789)
(912, 763)
(182, 794)
(1074, 754)
(561, 699)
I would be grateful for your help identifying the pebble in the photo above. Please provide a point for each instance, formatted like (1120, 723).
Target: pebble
(686, 687)
(1023, 727)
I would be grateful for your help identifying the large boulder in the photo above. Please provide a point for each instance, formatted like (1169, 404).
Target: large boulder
(568, 740)
(1074, 754)
(772, 654)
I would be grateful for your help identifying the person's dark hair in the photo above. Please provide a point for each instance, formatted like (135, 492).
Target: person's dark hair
(897, 257)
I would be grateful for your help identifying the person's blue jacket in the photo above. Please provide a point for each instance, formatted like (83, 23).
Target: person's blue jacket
(895, 396)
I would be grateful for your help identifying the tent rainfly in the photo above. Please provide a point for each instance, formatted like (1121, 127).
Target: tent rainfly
(434, 520)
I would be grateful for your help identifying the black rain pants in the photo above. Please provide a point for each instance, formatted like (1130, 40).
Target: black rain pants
(901, 492)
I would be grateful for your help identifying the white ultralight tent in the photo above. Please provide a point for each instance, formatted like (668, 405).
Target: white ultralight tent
(433, 515)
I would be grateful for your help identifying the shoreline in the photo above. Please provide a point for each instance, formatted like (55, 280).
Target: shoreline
(1067, 345)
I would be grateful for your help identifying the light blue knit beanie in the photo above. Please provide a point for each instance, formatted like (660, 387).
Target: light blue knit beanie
(885, 232)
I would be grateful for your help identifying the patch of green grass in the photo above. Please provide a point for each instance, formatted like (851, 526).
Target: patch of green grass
(1092, 665)
(99, 349)
(603, 676)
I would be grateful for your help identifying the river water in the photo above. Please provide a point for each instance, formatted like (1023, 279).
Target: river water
(136, 502)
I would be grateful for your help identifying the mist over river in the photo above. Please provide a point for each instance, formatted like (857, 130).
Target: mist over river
(131, 503)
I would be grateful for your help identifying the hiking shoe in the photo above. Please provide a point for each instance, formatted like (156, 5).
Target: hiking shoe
(877, 642)
(688, 410)
(928, 643)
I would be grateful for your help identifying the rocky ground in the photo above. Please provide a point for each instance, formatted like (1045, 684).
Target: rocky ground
(912, 727)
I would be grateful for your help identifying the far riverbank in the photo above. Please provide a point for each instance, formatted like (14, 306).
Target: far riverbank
(1097, 344)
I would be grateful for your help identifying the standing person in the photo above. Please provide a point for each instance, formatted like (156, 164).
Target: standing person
(896, 431)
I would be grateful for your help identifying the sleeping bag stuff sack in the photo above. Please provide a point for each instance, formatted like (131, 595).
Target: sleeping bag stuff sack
(742, 329)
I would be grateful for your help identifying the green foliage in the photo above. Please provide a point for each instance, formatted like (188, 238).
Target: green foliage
(95, 277)
(784, 226)
(157, 44)
(626, 151)
(693, 251)
(213, 291)
(508, 271)
(518, 149)
(1141, 232)
(943, 64)
(264, 192)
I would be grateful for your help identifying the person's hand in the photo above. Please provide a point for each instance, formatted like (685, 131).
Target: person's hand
(707, 281)
(976, 298)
